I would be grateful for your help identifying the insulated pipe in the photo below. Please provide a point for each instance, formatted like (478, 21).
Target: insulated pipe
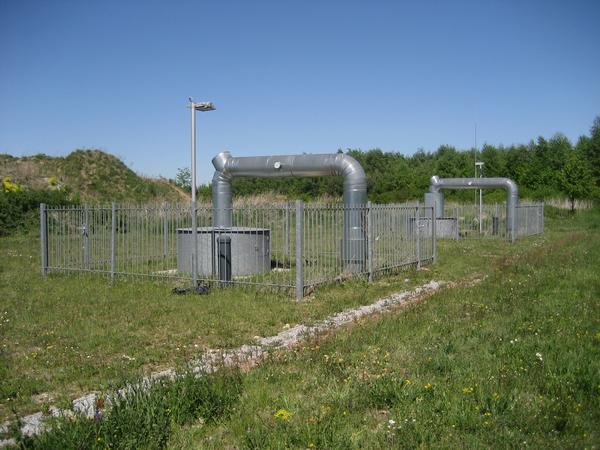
(512, 195)
(228, 167)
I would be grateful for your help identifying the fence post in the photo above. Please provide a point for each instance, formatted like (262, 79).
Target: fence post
(194, 247)
(44, 238)
(457, 223)
(86, 234)
(370, 240)
(166, 231)
(418, 230)
(299, 250)
(433, 233)
(113, 241)
(286, 230)
(543, 219)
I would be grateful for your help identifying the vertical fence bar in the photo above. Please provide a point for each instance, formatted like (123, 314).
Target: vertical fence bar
(433, 233)
(166, 231)
(543, 219)
(457, 223)
(418, 234)
(287, 230)
(113, 241)
(370, 240)
(44, 238)
(299, 250)
(86, 234)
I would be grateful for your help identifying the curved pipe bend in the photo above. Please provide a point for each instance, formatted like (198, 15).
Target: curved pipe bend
(228, 167)
(512, 194)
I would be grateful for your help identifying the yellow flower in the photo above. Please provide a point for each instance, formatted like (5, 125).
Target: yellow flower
(428, 386)
(467, 390)
(283, 414)
(495, 395)
(407, 381)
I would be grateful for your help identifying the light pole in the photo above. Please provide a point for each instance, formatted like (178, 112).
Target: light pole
(202, 106)
(479, 165)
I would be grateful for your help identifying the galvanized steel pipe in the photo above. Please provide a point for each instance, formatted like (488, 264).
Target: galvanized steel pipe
(228, 167)
(434, 196)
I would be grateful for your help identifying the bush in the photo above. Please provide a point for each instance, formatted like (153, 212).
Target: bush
(19, 208)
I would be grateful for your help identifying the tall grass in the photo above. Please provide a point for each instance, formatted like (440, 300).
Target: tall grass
(145, 417)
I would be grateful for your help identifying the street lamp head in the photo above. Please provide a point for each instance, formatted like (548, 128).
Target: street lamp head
(204, 106)
(479, 164)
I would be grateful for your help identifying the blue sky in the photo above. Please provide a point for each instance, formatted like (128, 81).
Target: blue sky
(291, 76)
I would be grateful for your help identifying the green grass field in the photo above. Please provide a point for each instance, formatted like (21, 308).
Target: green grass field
(511, 360)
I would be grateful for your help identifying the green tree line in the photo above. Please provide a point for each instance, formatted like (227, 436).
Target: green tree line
(543, 168)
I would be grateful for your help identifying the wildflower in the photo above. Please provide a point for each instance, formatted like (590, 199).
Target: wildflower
(467, 390)
(428, 386)
(283, 414)
(407, 381)
(539, 356)
(495, 395)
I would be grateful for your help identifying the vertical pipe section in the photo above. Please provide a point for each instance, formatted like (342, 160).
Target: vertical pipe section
(44, 239)
(299, 250)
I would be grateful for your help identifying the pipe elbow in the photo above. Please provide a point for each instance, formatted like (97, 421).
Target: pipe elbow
(351, 170)
(220, 161)
(434, 183)
(511, 186)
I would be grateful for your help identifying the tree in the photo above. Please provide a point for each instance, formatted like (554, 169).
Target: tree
(592, 150)
(576, 178)
(183, 179)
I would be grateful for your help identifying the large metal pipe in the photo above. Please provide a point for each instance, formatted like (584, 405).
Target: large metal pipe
(434, 196)
(228, 167)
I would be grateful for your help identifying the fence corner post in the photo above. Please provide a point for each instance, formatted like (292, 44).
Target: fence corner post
(44, 239)
(543, 218)
(418, 231)
(113, 241)
(370, 240)
(299, 250)
(433, 232)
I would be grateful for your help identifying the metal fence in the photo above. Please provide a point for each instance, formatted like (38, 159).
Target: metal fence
(289, 246)
(530, 219)
(468, 221)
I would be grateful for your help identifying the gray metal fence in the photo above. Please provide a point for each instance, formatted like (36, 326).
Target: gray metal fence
(290, 246)
(469, 221)
(530, 219)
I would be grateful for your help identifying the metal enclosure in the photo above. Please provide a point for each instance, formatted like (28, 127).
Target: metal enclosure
(435, 198)
(251, 255)
(228, 167)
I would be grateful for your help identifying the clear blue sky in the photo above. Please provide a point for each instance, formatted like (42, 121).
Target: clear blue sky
(292, 76)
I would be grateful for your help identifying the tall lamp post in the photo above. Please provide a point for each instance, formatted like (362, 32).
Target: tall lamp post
(202, 106)
(479, 165)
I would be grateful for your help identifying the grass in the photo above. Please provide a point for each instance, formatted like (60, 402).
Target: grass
(63, 336)
(146, 417)
(511, 362)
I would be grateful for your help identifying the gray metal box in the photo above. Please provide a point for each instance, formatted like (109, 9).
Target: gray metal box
(250, 250)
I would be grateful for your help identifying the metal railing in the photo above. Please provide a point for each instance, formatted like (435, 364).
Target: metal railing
(469, 221)
(530, 219)
(289, 246)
